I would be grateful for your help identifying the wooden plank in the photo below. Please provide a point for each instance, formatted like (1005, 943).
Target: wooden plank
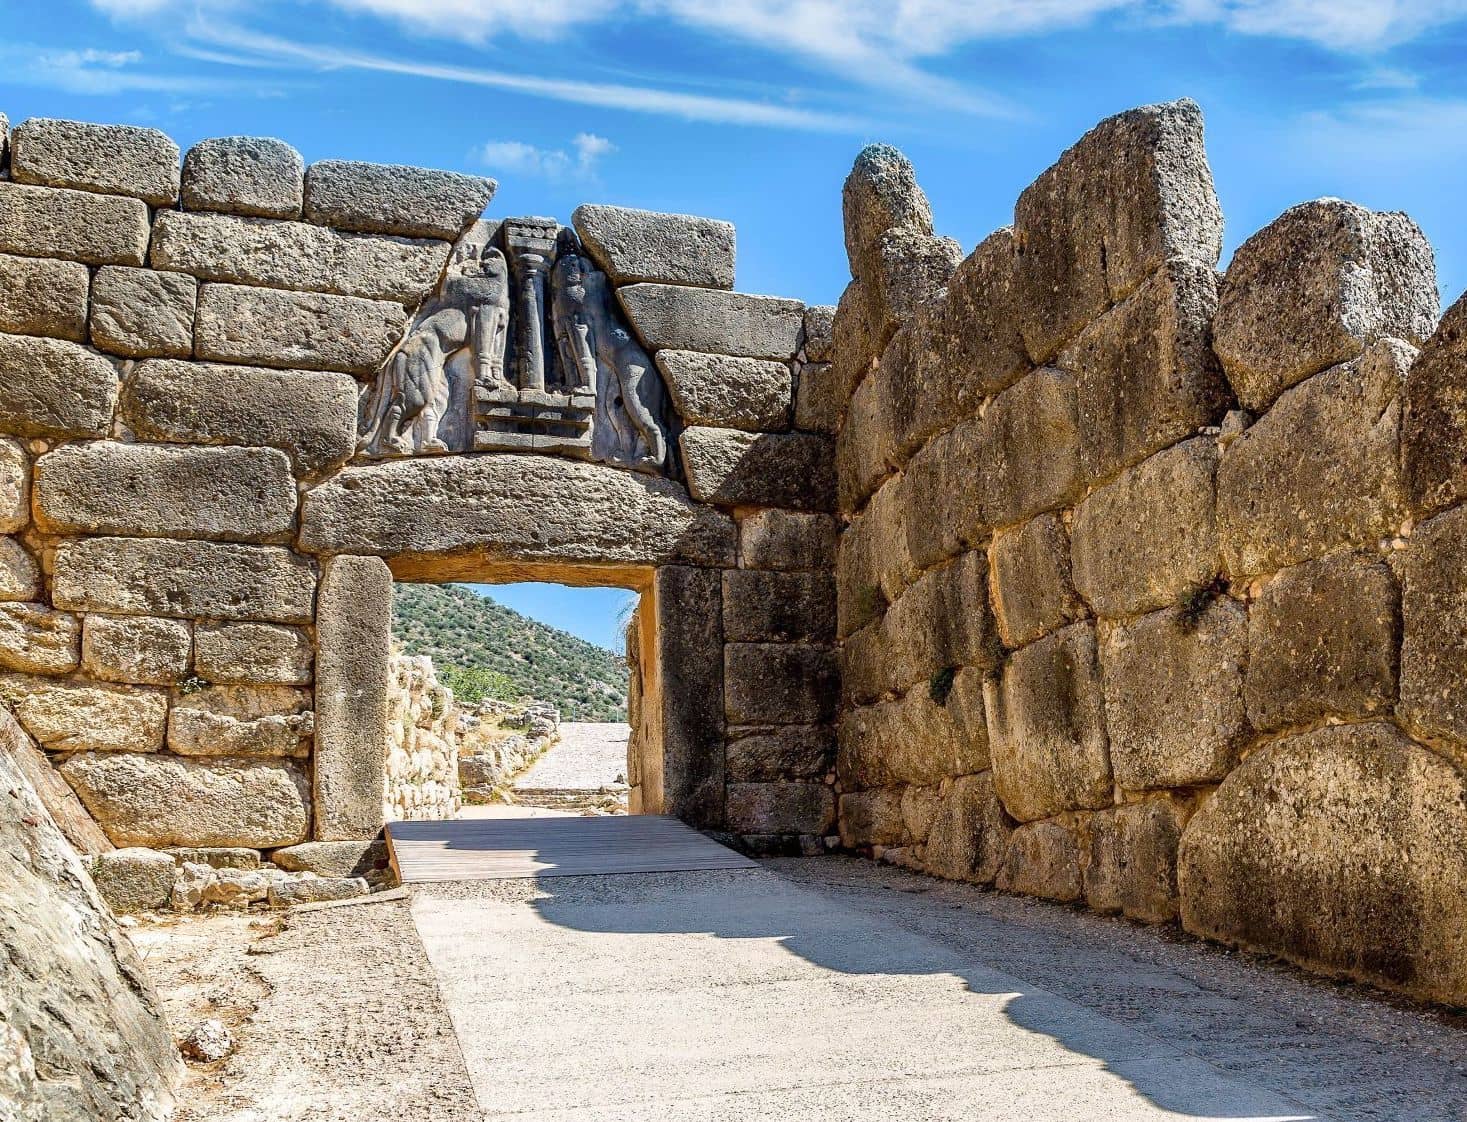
(520, 848)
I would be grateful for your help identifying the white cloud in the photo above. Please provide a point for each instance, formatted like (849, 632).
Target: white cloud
(580, 162)
(92, 71)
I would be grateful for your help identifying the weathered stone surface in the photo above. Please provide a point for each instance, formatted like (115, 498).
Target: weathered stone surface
(1132, 865)
(856, 344)
(75, 225)
(59, 799)
(273, 327)
(138, 313)
(136, 649)
(737, 393)
(1133, 192)
(244, 702)
(134, 879)
(778, 607)
(866, 451)
(315, 890)
(919, 804)
(197, 732)
(392, 199)
(1322, 641)
(20, 576)
(15, 486)
(1434, 423)
(1316, 285)
(910, 273)
(1320, 470)
(159, 800)
(78, 716)
(162, 490)
(582, 513)
(1145, 374)
(781, 808)
(244, 175)
(52, 388)
(252, 652)
(969, 833)
(689, 604)
(354, 647)
(333, 859)
(880, 194)
(873, 566)
(85, 1036)
(1043, 860)
(871, 818)
(1032, 591)
(1148, 539)
(296, 255)
(791, 470)
(779, 683)
(1434, 631)
(207, 886)
(143, 576)
(1046, 727)
(936, 730)
(39, 296)
(787, 540)
(1174, 695)
(780, 752)
(644, 245)
(1343, 850)
(111, 159)
(818, 403)
(713, 321)
(216, 856)
(309, 414)
(34, 638)
(819, 332)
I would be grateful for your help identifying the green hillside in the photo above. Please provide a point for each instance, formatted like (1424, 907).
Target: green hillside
(481, 648)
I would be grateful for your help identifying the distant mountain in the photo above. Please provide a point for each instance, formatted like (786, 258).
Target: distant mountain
(482, 648)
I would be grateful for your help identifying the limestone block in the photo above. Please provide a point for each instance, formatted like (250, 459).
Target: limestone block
(642, 245)
(40, 296)
(818, 403)
(1046, 727)
(1343, 850)
(713, 321)
(1434, 424)
(1320, 470)
(138, 313)
(1133, 192)
(1132, 866)
(20, 576)
(1316, 285)
(107, 487)
(944, 514)
(910, 272)
(197, 732)
(244, 175)
(969, 835)
(790, 470)
(333, 859)
(880, 194)
(779, 683)
(865, 448)
(82, 717)
(1029, 452)
(154, 576)
(160, 800)
(1032, 591)
(759, 753)
(1322, 641)
(778, 607)
(582, 513)
(1434, 631)
(315, 890)
(1174, 695)
(37, 639)
(819, 332)
(137, 649)
(110, 159)
(919, 804)
(134, 879)
(244, 702)
(15, 486)
(74, 225)
(856, 344)
(51, 388)
(252, 652)
(272, 327)
(781, 808)
(216, 856)
(737, 393)
(691, 655)
(1148, 538)
(1145, 374)
(392, 199)
(309, 414)
(297, 255)
(1043, 860)
(936, 730)
(871, 818)
(873, 566)
(787, 540)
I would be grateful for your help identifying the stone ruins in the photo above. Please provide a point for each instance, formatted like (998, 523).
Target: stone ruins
(1069, 565)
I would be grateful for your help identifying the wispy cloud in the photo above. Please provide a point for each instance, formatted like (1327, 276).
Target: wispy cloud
(94, 71)
(580, 162)
(1395, 133)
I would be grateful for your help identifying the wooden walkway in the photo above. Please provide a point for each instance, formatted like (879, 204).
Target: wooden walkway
(569, 846)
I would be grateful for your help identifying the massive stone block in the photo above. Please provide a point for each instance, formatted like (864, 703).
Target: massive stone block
(1043, 860)
(195, 732)
(1046, 727)
(713, 321)
(791, 470)
(819, 332)
(787, 540)
(270, 327)
(943, 497)
(1174, 695)
(20, 576)
(39, 296)
(138, 313)
(110, 159)
(393, 199)
(1029, 450)
(911, 271)
(75, 225)
(1343, 850)
(689, 610)
(156, 576)
(969, 834)
(1320, 470)
(15, 486)
(1434, 631)
(779, 683)
(298, 255)
(522, 508)
(1312, 288)
(1133, 192)
(83, 717)
(880, 194)
(781, 808)
(856, 345)
(136, 649)
(865, 451)
(873, 566)
(51, 388)
(736, 393)
(309, 414)
(1132, 866)
(936, 730)
(160, 800)
(632, 246)
(778, 607)
(244, 175)
(1032, 590)
(817, 401)
(871, 818)
(763, 753)
(35, 638)
(1434, 423)
(252, 652)
(166, 490)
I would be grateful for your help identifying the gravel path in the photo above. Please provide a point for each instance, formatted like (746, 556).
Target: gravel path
(588, 757)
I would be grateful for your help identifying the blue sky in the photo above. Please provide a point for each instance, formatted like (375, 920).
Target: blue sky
(751, 110)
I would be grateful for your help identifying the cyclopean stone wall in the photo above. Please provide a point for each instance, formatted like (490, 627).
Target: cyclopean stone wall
(1150, 582)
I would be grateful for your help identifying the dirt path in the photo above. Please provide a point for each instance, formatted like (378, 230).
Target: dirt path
(586, 769)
